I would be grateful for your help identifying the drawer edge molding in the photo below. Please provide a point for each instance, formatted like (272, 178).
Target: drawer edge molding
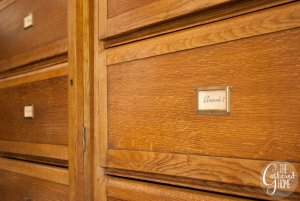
(257, 23)
(211, 168)
(48, 173)
(38, 75)
(154, 12)
(119, 188)
(35, 149)
(39, 53)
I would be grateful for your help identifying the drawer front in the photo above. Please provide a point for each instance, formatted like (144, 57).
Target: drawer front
(128, 15)
(47, 36)
(129, 190)
(18, 187)
(49, 99)
(43, 136)
(153, 125)
(152, 102)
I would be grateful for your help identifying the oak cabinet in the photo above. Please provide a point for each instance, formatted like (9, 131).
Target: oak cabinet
(131, 190)
(46, 37)
(43, 135)
(154, 132)
(34, 100)
(16, 187)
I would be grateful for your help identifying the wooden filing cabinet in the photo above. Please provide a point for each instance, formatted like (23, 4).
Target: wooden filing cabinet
(34, 70)
(122, 189)
(47, 36)
(150, 66)
(114, 93)
(44, 137)
(15, 186)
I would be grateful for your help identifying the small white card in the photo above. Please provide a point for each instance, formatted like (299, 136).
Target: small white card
(28, 21)
(29, 111)
(213, 100)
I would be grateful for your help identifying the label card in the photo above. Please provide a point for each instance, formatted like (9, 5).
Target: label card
(28, 111)
(213, 100)
(28, 21)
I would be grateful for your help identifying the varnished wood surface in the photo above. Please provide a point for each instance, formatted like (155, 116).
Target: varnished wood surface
(257, 23)
(34, 149)
(100, 103)
(117, 7)
(50, 26)
(53, 49)
(76, 59)
(205, 168)
(49, 173)
(35, 159)
(50, 122)
(17, 187)
(59, 60)
(113, 199)
(232, 9)
(218, 187)
(152, 103)
(131, 190)
(33, 76)
(5, 3)
(155, 12)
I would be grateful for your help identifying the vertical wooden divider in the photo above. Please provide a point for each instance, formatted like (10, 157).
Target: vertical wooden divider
(76, 99)
(100, 102)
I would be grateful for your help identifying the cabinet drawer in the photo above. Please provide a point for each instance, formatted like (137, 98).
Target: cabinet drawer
(47, 37)
(123, 21)
(152, 102)
(153, 125)
(47, 131)
(129, 190)
(128, 15)
(16, 187)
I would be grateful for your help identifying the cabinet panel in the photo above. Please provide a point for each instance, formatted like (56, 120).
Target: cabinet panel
(46, 37)
(130, 15)
(49, 99)
(152, 102)
(129, 190)
(16, 187)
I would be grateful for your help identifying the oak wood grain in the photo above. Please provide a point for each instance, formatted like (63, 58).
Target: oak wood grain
(156, 12)
(34, 149)
(50, 101)
(232, 9)
(38, 54)
(36, 159)
(47, 37)
(33, 76)
(117, 7)
(44, 172)
(152, 107)
(100, 103)
(76, 99)
(16, 187)
(218, 187)
(257, 23)
(135, 191)
(243, 172)
(88, 102)
(36, 66)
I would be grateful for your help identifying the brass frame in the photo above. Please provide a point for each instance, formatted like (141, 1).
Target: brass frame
(214, 112)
